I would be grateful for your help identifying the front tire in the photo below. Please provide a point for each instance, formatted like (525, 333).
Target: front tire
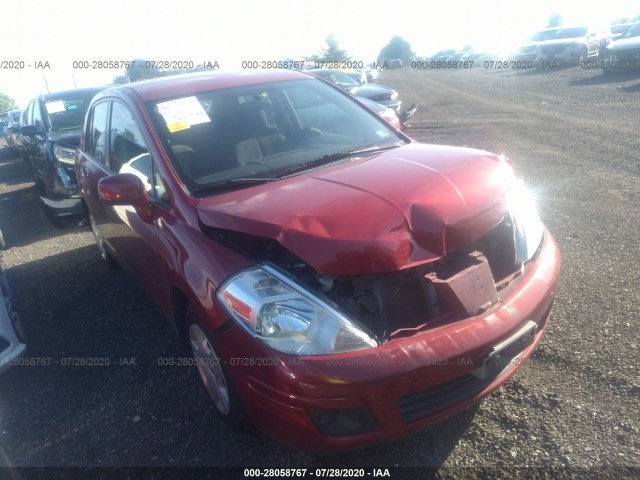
(584, 56)
(213, 373)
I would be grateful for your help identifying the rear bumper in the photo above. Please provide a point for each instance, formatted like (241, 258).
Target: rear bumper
(405, 384)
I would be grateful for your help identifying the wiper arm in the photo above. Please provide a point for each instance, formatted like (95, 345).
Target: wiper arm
(233, 183)
(332, 157)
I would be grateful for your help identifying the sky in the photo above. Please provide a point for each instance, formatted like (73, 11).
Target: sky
(55, 34)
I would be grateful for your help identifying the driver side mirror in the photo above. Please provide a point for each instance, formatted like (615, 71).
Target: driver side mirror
(123, 189)
(31, 130)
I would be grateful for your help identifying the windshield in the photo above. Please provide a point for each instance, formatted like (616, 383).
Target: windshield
(541, 36)
(261, 131)
(571, 32)
(338, 78)
(632, 31)
(67, 112)
(558, 33)
(615, 29)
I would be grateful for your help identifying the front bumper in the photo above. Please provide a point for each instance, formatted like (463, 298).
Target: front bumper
(566, 55)
(403, 385)
(622, 59)
(65, 207)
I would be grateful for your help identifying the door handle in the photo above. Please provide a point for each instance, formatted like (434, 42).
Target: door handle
(84, 172)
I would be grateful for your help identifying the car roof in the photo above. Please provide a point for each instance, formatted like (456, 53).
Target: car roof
(75, 91)
(189, 83)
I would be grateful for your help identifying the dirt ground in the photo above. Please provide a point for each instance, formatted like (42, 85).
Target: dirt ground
(572, 411)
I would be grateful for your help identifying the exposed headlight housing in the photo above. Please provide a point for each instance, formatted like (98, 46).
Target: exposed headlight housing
(64, 154)
(273, 307)
(527, 226)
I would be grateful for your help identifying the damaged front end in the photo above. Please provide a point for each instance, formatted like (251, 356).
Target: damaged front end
(396, 261)
(59, 188)
(389, 305)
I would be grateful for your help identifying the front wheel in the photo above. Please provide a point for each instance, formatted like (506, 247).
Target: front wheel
(584, 56)
(214, 374)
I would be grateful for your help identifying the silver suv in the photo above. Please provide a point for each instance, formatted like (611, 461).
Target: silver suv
(562, 45)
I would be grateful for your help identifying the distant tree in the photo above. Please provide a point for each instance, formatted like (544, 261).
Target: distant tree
(141, 69)
(121, 80)
(331, 53)
(397, 47)
(7, 103)
(555, 20)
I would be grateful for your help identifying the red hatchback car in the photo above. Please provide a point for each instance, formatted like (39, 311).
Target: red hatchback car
(338, 283)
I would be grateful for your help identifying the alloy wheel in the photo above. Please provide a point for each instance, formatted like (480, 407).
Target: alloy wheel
(210, 369)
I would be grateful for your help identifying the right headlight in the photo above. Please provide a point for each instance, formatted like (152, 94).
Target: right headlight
(282, 313)
(65, 154)
(527, 226)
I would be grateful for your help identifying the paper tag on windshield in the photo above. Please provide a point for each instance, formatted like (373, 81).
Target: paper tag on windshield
(182, 113)
(55, 107)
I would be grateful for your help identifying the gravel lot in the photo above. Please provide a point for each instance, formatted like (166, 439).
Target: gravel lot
(572, 411)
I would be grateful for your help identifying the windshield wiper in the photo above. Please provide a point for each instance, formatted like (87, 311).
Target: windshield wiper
(332, 157)
(233, 183)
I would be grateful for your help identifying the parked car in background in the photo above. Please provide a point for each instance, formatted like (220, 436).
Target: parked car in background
(618, 29)
(623, 53)
(528, 50)
(337, 283)
(378, 93)
(385, 112)
(50, 136)
(472, 55)
(442, 55)
(569, 45)
(395, 63)
(359, 76)
(455, 56)
(3, 122)
(372, 74)
(12, 131)
(13, 341)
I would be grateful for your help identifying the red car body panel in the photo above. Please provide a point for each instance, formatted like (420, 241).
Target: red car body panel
(281, 395)
(448, 198)
(385, 212)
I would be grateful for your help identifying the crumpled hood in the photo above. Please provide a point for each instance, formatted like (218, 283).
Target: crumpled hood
(386, 212)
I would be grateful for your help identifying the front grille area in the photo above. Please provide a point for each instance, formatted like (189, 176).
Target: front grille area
(553, 49)
(429, 401)
(416, 406)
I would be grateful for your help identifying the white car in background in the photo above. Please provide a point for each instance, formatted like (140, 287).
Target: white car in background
(570, 45)
(624, 52)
